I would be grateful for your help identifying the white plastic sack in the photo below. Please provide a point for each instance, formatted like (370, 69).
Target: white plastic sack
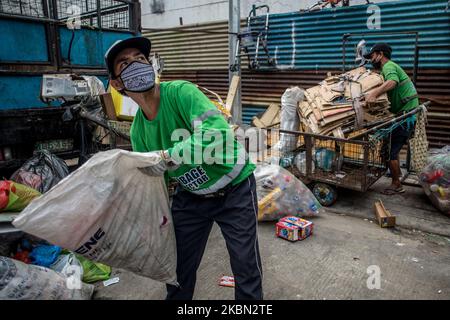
(111, 212)
(68, 265)
(280, 194)
(20, 281)
(289, 118)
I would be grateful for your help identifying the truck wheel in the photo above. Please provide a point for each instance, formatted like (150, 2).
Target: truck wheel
(325, 194)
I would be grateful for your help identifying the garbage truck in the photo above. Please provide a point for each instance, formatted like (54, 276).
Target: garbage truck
(51, 37)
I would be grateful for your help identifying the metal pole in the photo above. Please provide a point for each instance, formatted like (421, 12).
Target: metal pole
(234, 14)
(99, 14)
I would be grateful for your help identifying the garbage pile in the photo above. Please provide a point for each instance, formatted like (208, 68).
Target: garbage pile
(435, 179)
(106, 211)
(37, 175)
(35, 269)
(280, 194)
(32, 268)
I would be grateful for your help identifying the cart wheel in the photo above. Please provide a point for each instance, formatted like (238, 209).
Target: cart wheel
(325, 194)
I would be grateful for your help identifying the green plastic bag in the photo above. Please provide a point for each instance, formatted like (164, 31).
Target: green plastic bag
(93, 271)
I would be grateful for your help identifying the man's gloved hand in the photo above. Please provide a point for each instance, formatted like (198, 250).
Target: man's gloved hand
(165, 162)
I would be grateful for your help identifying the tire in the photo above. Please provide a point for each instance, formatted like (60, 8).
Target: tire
(325, 194)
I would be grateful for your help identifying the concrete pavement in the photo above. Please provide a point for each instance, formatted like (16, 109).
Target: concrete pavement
(332, 264)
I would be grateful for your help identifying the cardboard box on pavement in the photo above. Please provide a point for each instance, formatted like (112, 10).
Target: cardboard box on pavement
(294, 228)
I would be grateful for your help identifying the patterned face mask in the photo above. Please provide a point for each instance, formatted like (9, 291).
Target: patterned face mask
(138, 77)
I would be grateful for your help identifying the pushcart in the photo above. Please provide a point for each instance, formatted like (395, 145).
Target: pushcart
(326, 163)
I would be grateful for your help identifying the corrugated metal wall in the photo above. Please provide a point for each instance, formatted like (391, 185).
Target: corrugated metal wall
(203, 47)
(200, 54)
(314, 40)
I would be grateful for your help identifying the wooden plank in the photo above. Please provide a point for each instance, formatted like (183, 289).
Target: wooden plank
(258, 123)
(232, 92)
(271, 115)
(384, 217)
(108, 106)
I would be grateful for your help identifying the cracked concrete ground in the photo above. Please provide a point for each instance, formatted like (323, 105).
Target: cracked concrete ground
(333, 263)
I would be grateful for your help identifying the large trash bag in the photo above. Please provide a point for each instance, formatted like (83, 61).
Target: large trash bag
(111, 212)
(20, 281)
(435, 179)
(15, 196)
(280, 194)
(42, 171)
(289, 119)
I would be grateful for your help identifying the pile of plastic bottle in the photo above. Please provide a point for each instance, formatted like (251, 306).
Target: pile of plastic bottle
(435, 179)
(280, 194)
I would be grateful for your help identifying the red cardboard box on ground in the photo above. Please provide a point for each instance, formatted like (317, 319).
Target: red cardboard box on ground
(286, 226)
(287, 231)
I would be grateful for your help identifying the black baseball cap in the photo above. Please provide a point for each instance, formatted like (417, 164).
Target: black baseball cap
(141, 43)
(380, 46)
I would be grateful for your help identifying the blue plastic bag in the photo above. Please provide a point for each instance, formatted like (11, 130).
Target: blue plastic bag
(44, 255)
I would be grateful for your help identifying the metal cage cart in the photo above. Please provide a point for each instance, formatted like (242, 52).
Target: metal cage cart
(326, 163)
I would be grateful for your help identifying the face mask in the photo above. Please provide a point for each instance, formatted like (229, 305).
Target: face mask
(376, 64)
(138, 77)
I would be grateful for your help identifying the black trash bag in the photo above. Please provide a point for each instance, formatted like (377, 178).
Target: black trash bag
(42, 171)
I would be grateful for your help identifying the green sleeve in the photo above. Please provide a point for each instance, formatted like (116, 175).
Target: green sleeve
(201, 116)
(390, 73)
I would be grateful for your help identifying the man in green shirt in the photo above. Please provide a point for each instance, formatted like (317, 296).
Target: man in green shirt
(198, 149)
(403, 97)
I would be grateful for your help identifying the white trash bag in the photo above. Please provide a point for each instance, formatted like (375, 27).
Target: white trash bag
(289, 119)
(111, 212)
(21, 281)
(66, 264)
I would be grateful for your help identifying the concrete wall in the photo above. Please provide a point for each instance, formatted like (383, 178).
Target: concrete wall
(167, 13)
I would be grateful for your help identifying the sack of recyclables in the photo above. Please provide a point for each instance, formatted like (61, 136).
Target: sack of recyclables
(111, 212)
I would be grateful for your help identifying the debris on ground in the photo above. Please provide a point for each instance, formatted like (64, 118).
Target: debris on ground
(227, 281)
(384, 217)
(111, 281)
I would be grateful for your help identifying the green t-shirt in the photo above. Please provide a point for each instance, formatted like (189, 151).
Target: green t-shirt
(186, 115)
(401, 97)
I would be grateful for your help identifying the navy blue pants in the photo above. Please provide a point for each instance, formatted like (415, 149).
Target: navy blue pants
(236, 214)
(399, 138)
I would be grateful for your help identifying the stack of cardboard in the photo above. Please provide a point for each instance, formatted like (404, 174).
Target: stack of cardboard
(336, 105)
